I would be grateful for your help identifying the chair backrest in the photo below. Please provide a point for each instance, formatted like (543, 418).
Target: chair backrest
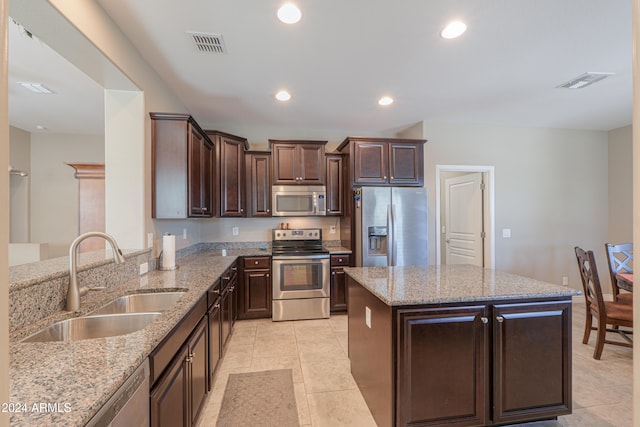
(620, 260)
(590, 280)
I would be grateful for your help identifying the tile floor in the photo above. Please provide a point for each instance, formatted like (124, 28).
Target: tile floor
(326, 394)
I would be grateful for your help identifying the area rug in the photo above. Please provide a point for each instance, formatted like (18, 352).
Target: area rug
(265, 399)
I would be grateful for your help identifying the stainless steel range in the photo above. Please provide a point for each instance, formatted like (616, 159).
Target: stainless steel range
(300, 275)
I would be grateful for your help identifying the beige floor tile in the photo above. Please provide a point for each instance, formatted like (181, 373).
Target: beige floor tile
(304, 417)
(286, 362)
(339, 408)
(328, 375)
(273, 348)
(237, 356)
(321, 349)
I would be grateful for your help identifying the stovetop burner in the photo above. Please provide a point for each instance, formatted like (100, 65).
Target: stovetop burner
(297, 242)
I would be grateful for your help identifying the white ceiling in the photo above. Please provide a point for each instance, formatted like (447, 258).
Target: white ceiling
(344, 55)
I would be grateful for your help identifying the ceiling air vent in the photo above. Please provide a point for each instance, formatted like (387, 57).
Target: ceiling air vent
(584, 80)
(208, 43)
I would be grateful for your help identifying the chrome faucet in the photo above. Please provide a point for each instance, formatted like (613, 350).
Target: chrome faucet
(75, 292)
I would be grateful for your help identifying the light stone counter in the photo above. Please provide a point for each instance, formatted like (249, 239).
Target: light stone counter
(417, 285)
(76, 378)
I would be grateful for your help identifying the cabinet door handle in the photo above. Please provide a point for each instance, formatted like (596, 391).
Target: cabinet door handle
(266, 275)
(234, 268)
(500, 319)
(384, 177)
(216, 305)
(204, 209)
(216, 291)
(484, 320)
(188, 359)
(333, 272)
(267, 210)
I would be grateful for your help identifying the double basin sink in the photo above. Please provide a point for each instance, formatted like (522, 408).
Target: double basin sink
(124, 315)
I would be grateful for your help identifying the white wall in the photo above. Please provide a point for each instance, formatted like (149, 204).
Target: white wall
(550, 190)
(620, 185)
(19, 158)
(54, 189)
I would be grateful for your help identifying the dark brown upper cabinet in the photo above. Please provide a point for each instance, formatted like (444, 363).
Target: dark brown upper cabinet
(298, 162)
(258, 183)
(229, 177)
(335, 184)
(182, 165)
(385, 161)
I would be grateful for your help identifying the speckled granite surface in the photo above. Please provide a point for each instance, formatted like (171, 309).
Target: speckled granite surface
(416, 285)
(76, 378)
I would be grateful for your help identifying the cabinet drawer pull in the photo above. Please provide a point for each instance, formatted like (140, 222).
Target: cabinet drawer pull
(256, 262)
(204, 209)
(267, 210)
(500, 319)
(484, 320)
(216, 291)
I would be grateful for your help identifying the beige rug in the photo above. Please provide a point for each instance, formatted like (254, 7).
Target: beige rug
(264, 398)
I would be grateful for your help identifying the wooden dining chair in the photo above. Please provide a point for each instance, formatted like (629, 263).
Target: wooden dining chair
(606, 312)
(620, 260)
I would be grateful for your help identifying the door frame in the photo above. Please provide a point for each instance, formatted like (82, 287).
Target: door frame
(489, 209)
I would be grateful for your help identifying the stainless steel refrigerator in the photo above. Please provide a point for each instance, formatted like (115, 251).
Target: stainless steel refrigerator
(390, 226)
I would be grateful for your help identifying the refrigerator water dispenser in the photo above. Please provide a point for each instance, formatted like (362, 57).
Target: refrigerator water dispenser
(377, 240)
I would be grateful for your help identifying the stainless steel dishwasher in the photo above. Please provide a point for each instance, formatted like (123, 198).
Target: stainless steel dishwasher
(129, 405)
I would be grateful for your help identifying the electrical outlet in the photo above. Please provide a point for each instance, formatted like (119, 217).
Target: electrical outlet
(332, 229)
(149, 240)
(235, 231)
(144, 268)
(184, 233)
(565, 280)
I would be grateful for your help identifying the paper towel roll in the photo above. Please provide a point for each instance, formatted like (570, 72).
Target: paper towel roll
(168, 259)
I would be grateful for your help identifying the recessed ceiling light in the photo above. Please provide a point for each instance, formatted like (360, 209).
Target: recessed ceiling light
(453, 29)
(385, 100)
(36, 87)
(283, 95)
(289, 13)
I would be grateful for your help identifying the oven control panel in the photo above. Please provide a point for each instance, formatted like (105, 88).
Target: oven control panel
(298, 234)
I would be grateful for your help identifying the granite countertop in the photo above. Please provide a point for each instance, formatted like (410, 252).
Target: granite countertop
(434, 284)
(74, 379)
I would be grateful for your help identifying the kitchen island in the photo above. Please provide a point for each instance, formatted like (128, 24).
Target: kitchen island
(459, 345)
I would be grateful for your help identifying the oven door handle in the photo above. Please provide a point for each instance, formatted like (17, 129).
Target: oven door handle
(298, 257)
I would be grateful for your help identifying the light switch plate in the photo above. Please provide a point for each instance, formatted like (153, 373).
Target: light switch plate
(332, 229)
(506, 233)
(235, 231)
(149, 240)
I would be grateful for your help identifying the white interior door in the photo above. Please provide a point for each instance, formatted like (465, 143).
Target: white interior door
(463, 213)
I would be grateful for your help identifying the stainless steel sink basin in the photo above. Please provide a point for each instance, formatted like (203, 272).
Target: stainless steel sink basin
(140, 303)
(82, 328)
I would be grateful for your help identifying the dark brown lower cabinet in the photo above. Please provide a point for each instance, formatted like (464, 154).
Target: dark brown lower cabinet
(178, 396)
(478, 364)
(255, 292)
(338, 283)
(215, 342)
(168, 406)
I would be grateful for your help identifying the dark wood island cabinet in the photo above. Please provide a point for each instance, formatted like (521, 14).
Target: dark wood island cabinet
(459, 345)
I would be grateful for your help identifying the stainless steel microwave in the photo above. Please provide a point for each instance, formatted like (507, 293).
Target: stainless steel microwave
(298, 200)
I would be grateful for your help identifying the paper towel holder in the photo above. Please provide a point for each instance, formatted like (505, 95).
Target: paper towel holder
(161, 267)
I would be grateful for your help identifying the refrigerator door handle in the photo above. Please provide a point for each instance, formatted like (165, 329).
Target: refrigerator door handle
(390, 236)
(394, 256)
